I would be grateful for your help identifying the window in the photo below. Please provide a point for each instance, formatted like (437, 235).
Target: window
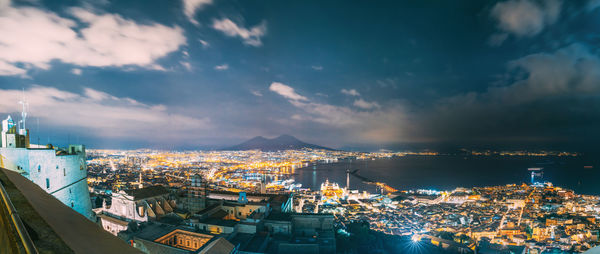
(72, 204)
(70, 191)
(188, 244)
(64, 172)
(47, 183)
(39, 168)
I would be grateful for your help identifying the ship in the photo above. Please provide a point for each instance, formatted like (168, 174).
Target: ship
(331, 192)
(287, 184)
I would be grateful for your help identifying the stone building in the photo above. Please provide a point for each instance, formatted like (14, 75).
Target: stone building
(60, 172)
(138, 205)
(196, 194)
(154, 237)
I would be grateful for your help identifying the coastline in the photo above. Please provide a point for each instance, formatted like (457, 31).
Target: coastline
(447, 172)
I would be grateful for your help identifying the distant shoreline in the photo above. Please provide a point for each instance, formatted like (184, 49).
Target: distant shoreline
(418, 172)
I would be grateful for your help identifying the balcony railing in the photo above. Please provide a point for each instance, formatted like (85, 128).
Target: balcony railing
(13, 235)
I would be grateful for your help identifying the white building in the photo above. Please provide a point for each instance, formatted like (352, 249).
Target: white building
(138, 205)
(61, 173)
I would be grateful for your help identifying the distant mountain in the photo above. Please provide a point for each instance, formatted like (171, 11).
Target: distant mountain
(283, 142)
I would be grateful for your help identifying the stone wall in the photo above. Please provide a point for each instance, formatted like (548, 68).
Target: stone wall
(63, 176)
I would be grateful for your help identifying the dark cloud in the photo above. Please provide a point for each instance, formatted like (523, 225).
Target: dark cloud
(213, 73)
(555, 99)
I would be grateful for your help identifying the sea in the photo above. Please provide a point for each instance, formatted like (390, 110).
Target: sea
(447, 172)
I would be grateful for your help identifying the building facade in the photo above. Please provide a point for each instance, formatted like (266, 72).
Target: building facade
(196, 196)
(60, 172)
(138, 205)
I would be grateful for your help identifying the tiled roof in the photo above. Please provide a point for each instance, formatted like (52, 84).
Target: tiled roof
(147, 192)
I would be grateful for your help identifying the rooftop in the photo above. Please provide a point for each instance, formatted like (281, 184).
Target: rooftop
(147, 192)
(54, 227)
(152, 231)
(219, 222)
(219, 246)
(279, 217)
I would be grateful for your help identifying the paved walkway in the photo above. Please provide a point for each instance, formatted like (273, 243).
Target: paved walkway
(79, 233)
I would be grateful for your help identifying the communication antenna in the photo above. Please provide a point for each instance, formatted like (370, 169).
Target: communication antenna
(25, 105)
(38, 130)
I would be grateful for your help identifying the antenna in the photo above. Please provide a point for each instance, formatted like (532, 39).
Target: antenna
(38, 130)
(25, 105)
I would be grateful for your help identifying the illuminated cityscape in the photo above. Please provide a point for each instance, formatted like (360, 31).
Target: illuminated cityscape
(299, 127)
(534, 216)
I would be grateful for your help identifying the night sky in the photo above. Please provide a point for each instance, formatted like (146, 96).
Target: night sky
(344, 74)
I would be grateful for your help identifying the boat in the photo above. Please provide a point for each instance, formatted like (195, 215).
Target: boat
(331, 191)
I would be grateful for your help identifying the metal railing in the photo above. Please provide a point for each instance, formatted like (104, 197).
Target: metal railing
(9, 222)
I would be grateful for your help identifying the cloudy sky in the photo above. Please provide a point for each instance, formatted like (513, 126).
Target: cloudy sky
(211, 73)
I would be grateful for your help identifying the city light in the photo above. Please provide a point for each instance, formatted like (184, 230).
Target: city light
(307, 126)
(415, 238)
